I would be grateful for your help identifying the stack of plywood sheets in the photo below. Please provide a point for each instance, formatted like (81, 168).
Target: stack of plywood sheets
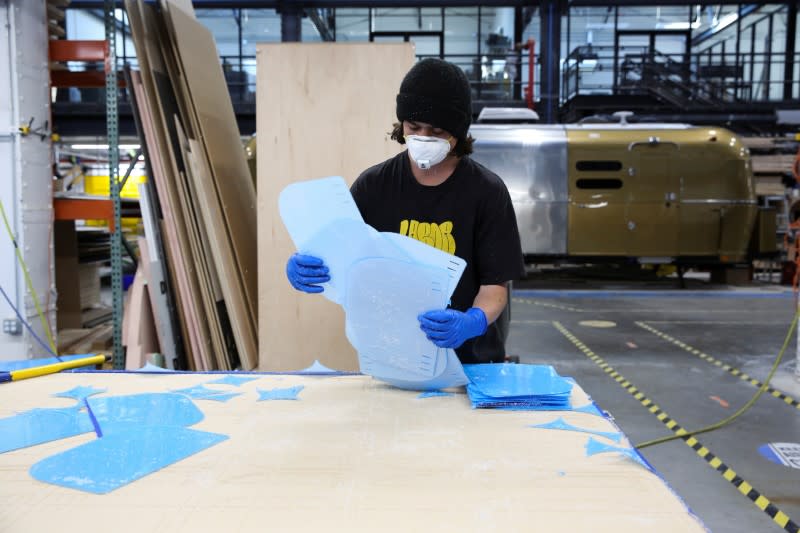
(205, 193)
(323, 110)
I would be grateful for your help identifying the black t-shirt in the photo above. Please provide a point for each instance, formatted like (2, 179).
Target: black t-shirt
(470, 215)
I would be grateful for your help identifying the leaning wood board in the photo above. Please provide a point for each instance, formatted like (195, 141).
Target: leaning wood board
(146, 30)
(349, 455)
(230, 191)
(322, 110)
(174, 235)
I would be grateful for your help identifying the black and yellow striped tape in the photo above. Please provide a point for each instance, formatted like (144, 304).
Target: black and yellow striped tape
(724, 366)
(761, 501)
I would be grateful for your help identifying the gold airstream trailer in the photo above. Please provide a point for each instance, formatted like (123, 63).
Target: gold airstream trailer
(659, 193)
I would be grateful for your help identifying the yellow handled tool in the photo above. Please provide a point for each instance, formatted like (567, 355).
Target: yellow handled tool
(26, 373)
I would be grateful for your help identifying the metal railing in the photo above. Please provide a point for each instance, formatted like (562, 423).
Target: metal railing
(699, 78)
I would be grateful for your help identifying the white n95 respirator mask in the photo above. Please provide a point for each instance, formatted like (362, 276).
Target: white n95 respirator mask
(427, 151)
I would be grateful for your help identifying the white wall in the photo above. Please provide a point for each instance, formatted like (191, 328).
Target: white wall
(25, 162)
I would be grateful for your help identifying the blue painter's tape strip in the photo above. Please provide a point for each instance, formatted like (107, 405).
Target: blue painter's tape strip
(222, 372)
(547, 293)
(96, 426)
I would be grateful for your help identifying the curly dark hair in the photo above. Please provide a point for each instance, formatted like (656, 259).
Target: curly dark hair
(463, 146)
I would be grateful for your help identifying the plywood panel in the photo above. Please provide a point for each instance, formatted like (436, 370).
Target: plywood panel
(162, 105)
(229, 191)
(322, 110)
(349, 455)
(180, 263)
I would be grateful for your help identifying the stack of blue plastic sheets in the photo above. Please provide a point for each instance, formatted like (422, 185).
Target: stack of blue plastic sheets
(517, 386)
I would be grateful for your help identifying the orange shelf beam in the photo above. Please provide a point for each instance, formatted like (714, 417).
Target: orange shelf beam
(74, 50)
(83, 209)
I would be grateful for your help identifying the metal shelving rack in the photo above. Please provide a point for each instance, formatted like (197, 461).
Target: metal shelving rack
(113, 176)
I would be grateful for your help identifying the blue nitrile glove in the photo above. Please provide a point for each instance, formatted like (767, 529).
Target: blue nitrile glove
(305, 271)
(448, 328)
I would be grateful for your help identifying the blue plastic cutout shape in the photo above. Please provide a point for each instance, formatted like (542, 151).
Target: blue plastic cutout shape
(452, 375)
(309, 206)
(426, 254)
(150, 368)
(126, 454)
(232, 380)
(79, 393)
(594, 446)
(318, 368)
(38, 426)
(560, 423)
(384, 298)
(341, 244)
(148, 409)
(434, 394)
(323, 220)
(197, 392)
(289, 393)
(221, 397)
(517, 380)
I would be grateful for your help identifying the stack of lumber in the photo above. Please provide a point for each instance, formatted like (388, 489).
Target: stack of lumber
(205, 198)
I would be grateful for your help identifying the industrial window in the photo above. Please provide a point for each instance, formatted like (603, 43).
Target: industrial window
(599, 183)
(599, 166)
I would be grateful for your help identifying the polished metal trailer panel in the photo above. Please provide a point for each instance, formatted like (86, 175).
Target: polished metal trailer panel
(532, 161)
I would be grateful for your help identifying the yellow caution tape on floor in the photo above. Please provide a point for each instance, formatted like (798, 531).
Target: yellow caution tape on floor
(745, 488)
(788, 400)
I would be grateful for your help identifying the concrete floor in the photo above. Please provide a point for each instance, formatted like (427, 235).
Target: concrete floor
(743, 327)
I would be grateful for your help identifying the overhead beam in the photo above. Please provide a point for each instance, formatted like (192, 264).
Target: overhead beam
(303, 4)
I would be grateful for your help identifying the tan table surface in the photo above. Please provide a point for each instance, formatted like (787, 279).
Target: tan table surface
(351, 454)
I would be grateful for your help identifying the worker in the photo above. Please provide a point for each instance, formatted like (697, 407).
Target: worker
(434, 192)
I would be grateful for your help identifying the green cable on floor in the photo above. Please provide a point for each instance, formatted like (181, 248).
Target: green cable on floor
(745, 407)
(29, 282)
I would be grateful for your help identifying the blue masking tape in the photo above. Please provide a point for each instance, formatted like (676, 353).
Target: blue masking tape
(235, 381)
(434, 394)
(594, 446)
(289, 393)
(124, 455)
(92, 418)
(561, 424)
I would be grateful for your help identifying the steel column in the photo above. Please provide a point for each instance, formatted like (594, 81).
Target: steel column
(113, 177)
(549, 81)
(788, 59)
(291, 24)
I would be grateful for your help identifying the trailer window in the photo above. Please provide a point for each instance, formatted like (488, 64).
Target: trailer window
(599, 166)
(599, 183)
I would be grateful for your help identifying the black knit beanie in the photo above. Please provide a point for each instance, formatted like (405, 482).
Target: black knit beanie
(436, 92)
